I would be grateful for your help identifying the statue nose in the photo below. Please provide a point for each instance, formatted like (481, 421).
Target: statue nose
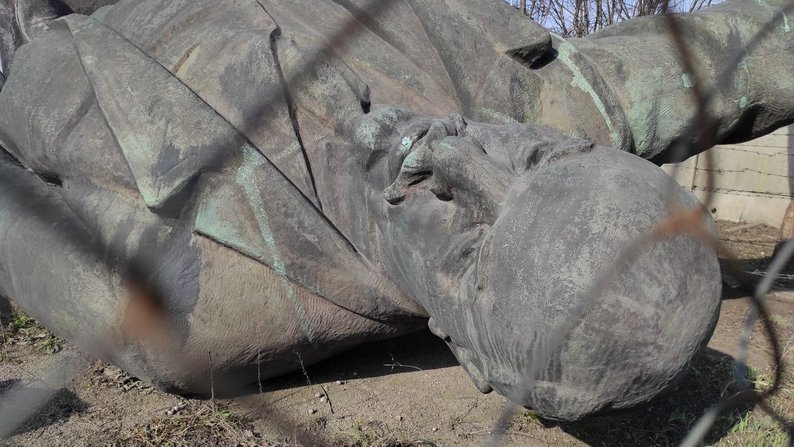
(468, 359)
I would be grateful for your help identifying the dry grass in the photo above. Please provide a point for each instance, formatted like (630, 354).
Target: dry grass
(196, 424)
(20, 329)
(756, 428)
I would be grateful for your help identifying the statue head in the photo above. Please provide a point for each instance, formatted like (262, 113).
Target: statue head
(502, 231)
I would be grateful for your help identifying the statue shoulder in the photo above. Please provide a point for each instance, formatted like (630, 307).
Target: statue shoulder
(509, 31)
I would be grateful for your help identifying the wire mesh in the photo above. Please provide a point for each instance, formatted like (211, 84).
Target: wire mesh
(701, 136)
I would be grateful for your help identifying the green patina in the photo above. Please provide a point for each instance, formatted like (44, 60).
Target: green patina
(786, 26)
(137, 152)
(246, 179)
(565, 51)
(415, 160)
(743, 102)
(407, 143)
(211, 222)
(492, 115)
(687, 80)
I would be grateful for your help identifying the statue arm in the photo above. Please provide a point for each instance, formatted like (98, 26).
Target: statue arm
(743, 54)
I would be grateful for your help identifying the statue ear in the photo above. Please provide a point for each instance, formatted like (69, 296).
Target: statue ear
(34, 16)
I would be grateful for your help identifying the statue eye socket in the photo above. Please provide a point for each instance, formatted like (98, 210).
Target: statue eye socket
(533, 159)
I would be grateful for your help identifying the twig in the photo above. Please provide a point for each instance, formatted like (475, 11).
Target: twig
(396, 364)
(303, 368)
(771, 275)
(309, 382)
(259, 371)
(458, 419)
(212, 384)
(328, 399)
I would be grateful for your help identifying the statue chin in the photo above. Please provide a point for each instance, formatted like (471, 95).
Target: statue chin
(526, 319)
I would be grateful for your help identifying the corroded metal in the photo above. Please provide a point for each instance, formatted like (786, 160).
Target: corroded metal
(231, 180)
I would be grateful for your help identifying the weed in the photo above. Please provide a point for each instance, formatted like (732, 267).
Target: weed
(198, 424)
(682, 417)
(753, 429)
(761, 381)
(21, 329)
(19, 322)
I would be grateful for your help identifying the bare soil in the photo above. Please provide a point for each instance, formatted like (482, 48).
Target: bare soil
(403, 392)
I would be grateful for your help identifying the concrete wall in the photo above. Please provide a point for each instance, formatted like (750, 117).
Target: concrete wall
(751, 182)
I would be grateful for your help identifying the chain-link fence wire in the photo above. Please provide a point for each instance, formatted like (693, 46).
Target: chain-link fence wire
(145, 301)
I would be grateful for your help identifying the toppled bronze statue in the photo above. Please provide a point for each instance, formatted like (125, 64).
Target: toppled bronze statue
(230, 185)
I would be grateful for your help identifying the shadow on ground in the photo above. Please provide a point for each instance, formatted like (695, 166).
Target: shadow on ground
(741, 276)
(5, 310)
(60, 407)
(418, 351)
(668, 419)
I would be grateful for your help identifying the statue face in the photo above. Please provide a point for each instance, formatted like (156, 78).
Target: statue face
(439, 185)
(499, 233)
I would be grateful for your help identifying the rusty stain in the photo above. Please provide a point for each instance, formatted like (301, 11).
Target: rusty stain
(143, 319)
(185, 57)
